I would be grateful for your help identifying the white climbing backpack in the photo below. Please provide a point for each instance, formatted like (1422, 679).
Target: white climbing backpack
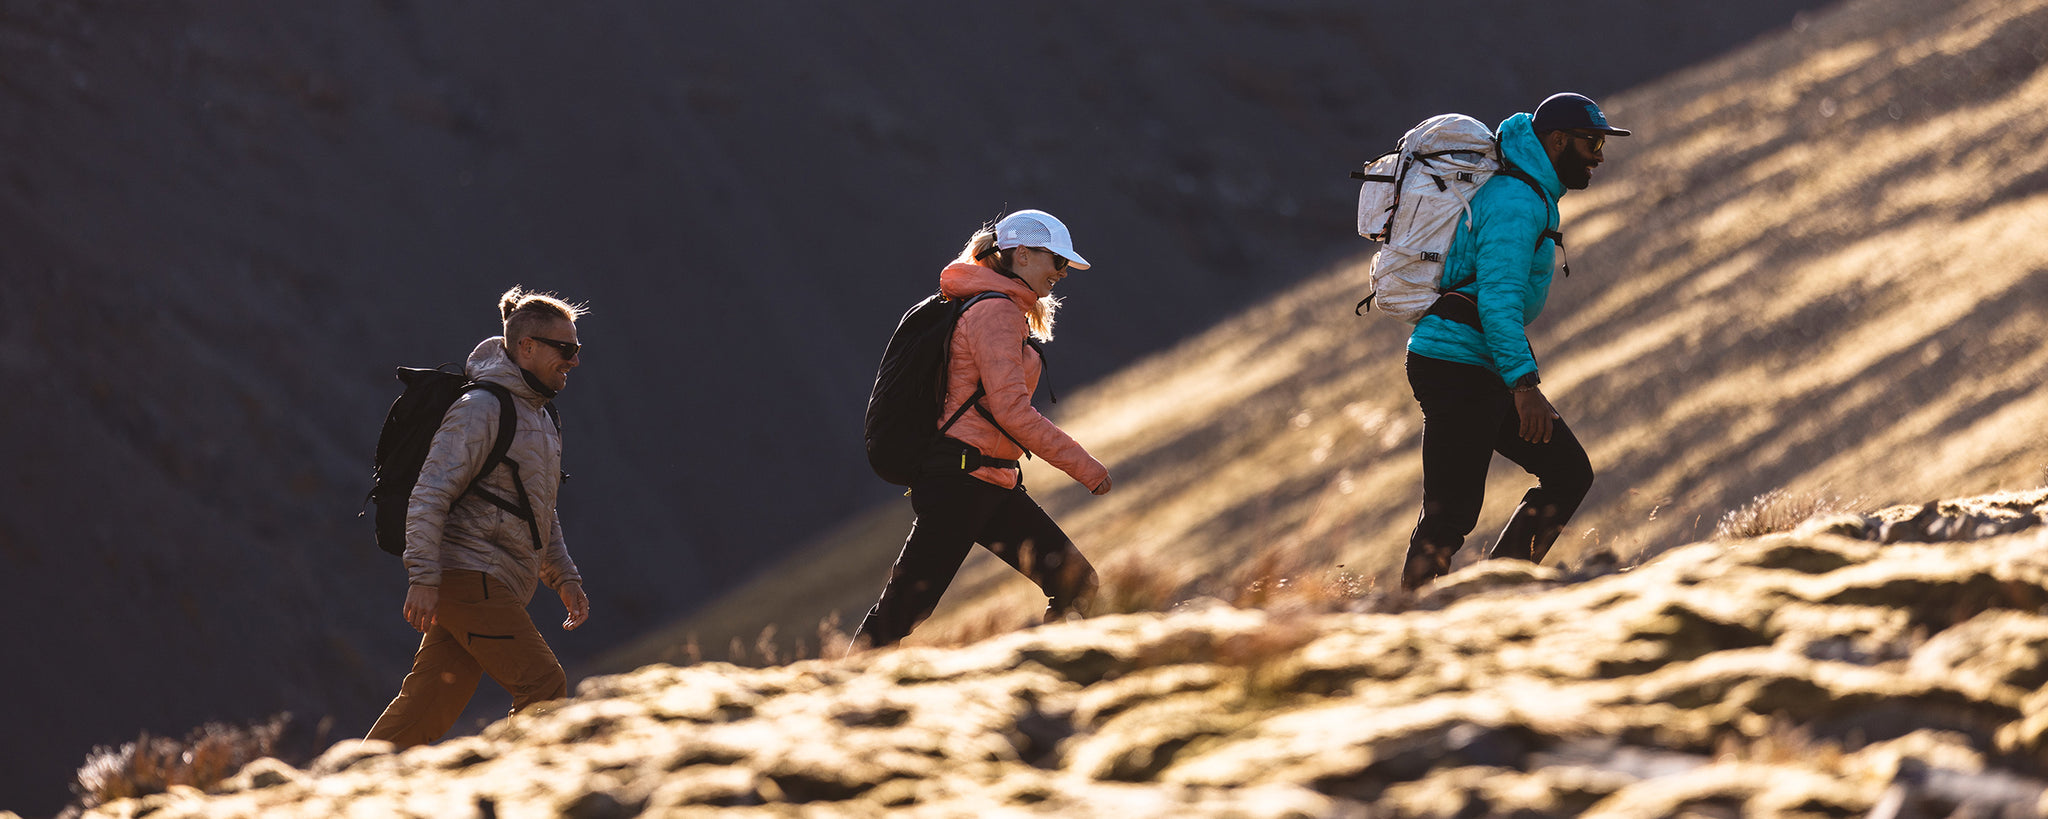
(1412, 201)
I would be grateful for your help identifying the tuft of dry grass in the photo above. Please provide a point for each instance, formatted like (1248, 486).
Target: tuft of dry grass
(151, 764)
(1280, 577)
(1779, 511)
(833, 641)
(1132, 584)
(1288, 580)
(1782, 742)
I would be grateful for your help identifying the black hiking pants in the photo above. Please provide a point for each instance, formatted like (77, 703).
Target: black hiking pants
(1467, 415)
(954, 512)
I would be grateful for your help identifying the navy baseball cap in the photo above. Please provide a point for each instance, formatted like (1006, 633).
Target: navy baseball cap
(1572, 112)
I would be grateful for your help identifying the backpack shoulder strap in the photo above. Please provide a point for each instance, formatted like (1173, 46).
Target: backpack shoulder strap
(979, 297)
(1044, 367)
(508, 424)
(974, 403)
(1556, 237)
(1509, 169)
(974, 400)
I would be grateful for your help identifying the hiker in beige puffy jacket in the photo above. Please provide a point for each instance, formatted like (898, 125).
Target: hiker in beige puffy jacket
(472, 566)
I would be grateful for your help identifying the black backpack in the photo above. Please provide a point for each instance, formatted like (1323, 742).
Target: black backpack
(910, 389)
(409, 432)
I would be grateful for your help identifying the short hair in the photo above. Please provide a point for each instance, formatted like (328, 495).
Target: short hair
(526, 311)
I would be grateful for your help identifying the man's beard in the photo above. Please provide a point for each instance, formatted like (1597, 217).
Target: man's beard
(1575, 172)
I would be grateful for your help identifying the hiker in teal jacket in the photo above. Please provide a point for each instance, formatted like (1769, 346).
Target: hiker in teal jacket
(1469, 359)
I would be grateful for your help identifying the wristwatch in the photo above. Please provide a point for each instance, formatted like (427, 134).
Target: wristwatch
(1525, 383)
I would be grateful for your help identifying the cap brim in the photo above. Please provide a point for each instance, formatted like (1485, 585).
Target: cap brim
(1074, 260)
(1612, 131)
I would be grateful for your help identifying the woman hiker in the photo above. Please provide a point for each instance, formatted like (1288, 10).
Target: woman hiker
(971, 491)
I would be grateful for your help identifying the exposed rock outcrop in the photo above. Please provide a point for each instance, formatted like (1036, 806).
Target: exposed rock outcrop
(1946, 521)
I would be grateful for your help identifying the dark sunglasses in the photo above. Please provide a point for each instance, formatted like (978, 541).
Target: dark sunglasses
(1594, 141)
(1058, 262)
(568, 349)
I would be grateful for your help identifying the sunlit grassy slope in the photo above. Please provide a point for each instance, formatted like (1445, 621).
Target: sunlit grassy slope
(1821, 265)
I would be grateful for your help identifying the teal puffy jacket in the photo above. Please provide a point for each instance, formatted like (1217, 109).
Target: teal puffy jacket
(1500, 258)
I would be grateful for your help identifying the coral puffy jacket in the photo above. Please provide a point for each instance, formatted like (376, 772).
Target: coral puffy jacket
(988, 348)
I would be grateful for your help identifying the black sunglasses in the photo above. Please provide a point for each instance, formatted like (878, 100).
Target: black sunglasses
(568, 349)
(1595, 141)
(1058, 262)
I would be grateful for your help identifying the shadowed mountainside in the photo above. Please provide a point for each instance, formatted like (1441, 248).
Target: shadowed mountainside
(1802, 674)
(223, 223)
(1816, 269)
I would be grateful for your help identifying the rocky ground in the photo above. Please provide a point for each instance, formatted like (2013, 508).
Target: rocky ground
(1847, 668)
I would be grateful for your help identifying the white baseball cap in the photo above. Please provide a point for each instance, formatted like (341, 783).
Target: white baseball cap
(1036, 228)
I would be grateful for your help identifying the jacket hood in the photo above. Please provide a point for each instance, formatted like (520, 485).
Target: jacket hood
(961, 279)
(1519, 143)
(490, 361)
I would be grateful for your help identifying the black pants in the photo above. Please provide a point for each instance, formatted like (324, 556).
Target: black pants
(1467, 415)
(954, 512)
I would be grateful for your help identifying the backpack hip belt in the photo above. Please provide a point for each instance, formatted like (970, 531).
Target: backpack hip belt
(950, 454)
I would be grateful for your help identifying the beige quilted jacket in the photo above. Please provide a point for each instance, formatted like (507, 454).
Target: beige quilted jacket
(445, 529)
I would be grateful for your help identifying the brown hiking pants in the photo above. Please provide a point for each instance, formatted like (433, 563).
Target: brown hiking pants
(479, 628)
